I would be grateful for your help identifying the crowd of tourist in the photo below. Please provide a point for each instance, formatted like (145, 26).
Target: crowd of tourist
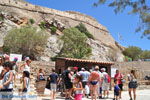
(8, 73)
(75, 83)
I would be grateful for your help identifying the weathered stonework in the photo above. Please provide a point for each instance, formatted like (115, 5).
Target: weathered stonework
(141, 67)
(24, 10)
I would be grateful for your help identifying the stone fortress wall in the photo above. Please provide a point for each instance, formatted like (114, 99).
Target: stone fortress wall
(100, 46)
(68, 14)
(99, 31)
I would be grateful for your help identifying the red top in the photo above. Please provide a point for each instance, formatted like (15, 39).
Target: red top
(119, 77)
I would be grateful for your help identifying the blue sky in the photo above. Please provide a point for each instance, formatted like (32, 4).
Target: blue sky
(121, 23)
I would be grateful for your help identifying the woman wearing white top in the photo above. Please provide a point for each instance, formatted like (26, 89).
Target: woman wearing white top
(7, 82)
(26, 66)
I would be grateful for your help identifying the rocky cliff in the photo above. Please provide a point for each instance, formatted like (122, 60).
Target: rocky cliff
(16, 13)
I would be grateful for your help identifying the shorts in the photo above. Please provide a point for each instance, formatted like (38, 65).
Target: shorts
(83, 84)
(94, 82)
(78, 97)
(133, 85)
(53, 87)
(105, 86)
(68, 85)
(116, 93)
(120, 86)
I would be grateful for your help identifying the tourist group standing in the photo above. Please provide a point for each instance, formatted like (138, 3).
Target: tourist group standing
(81, 83)
(84, 83)
(8, 72)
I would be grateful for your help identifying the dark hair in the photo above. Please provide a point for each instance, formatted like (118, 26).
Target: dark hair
(79, 77)
(115, 80)
(8, 64)
(26, 73)
(133, 72)
(53, 70)
(40, 70)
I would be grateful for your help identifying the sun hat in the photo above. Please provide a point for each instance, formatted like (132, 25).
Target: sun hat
(97, 67)
(27, 59)
(103, 69)
(82, 69)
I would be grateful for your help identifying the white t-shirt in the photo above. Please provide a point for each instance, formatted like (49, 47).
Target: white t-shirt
(103, 76)
(26, 68)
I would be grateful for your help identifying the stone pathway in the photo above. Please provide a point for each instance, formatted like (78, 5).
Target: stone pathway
(141, 95)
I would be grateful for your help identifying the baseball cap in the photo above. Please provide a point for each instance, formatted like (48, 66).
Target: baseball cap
(82, 69)
(103, 69)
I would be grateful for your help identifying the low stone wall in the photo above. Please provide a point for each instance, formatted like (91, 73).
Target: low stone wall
(36, 65)
(142, 68)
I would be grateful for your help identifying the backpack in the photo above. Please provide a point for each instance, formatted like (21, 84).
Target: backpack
(107, 78)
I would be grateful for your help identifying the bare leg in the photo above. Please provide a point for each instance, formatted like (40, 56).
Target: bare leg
(120, 94)
(117, 98)
(134, 94)
(95, 91)
(104, 93)
(130, 93)
(70, 93)
(66, 93)
(54, 95)
(107, 93)
(92, 92)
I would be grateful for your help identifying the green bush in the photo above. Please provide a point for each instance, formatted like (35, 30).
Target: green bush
(42, 25)
(53, 29)
(26, 40)
(74, 45)
(128, 58)
(133, 52)
(32, 21)
(1, 17)
(81, 27)
(145, 54)
(6, 49)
